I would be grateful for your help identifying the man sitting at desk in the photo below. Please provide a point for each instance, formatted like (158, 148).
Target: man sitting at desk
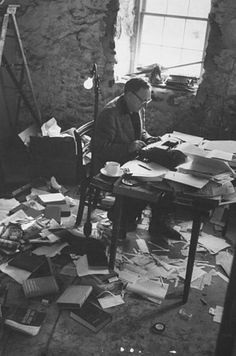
(119, 136)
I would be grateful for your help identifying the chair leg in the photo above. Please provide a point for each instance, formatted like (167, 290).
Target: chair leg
(96, 197)
(88, 224)
(83, 194)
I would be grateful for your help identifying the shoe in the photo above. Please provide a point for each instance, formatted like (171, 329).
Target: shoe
(164, 229)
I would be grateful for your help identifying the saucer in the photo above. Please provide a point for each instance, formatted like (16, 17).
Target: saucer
(104, 172)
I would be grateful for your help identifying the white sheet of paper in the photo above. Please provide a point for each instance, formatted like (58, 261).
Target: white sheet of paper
(149, 288)
(186, 179)
(212, 243)
(19, 275)
(153, 171)
(19, 216)
(204, 166)
(6, 205)
(224, 145)
(50, 250)
(197, 273)
(218, 314)
(51, 197)
(195, 140)
(83, 268)
(225, 260)
(110, 301)
(142, 245)
(219, 154)
(128, 276)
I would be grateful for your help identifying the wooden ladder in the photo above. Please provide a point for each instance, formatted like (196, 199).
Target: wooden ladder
(10, 13)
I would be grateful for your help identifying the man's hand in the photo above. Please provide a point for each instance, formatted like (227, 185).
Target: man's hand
(136, 146)
(153, 139)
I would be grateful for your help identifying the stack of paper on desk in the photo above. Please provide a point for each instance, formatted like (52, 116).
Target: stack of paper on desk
(195, 140)
(206, 167)
(145, 171)
(187, 179)
(224, 145)
(192, 151)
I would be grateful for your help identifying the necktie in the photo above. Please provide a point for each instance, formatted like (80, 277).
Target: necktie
(136, 124)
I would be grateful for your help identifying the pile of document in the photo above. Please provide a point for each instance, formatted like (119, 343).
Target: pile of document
(209, 168)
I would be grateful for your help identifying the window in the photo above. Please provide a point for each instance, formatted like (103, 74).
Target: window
(172, 33)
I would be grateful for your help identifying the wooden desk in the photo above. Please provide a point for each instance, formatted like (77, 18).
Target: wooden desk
(199, 207)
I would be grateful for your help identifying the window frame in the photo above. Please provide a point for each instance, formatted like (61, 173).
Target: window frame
(140, 13)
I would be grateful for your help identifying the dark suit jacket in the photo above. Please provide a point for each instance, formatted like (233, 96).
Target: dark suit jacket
(113, 134)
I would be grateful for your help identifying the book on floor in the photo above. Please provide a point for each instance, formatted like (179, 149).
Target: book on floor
(52, 198)
(26, 320)
(74, 296)
(91, 316)
(35, 287)
(27, 261)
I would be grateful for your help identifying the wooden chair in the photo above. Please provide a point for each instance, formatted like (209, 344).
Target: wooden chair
(91, 188)
(83, 147)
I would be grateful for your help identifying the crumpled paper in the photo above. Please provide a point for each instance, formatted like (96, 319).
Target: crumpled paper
(50, 128)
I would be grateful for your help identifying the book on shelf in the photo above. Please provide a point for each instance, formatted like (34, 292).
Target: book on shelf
(25, 320)
(74, 296)
(36, 287)
(91, 316)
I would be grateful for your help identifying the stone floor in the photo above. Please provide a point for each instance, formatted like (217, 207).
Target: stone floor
(130, 333)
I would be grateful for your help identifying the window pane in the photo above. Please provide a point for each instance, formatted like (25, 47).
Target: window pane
(199, 8)
(178, 7)
(166, 56)
(158, 6)
(173, 32)
(150, 54)
(152, 29)
(170, 56)
(189, 56)
(195, 34)
(193, 71)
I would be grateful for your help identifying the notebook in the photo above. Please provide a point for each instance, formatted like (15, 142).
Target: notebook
(91, 316)
(27, 261)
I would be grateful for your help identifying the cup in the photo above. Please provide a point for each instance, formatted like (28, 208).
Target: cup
(112, 168)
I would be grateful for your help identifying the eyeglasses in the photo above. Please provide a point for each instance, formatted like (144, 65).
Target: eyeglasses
(143, 102)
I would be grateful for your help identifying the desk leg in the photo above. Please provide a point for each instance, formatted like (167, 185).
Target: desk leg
(192, 251)
(117, 230)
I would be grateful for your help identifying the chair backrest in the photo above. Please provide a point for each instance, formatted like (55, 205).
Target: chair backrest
(83, 138)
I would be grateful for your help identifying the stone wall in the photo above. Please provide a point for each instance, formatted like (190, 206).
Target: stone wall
(216, 99)
(62, 40)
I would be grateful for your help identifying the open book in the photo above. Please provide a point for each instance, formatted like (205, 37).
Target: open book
(26, 320)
